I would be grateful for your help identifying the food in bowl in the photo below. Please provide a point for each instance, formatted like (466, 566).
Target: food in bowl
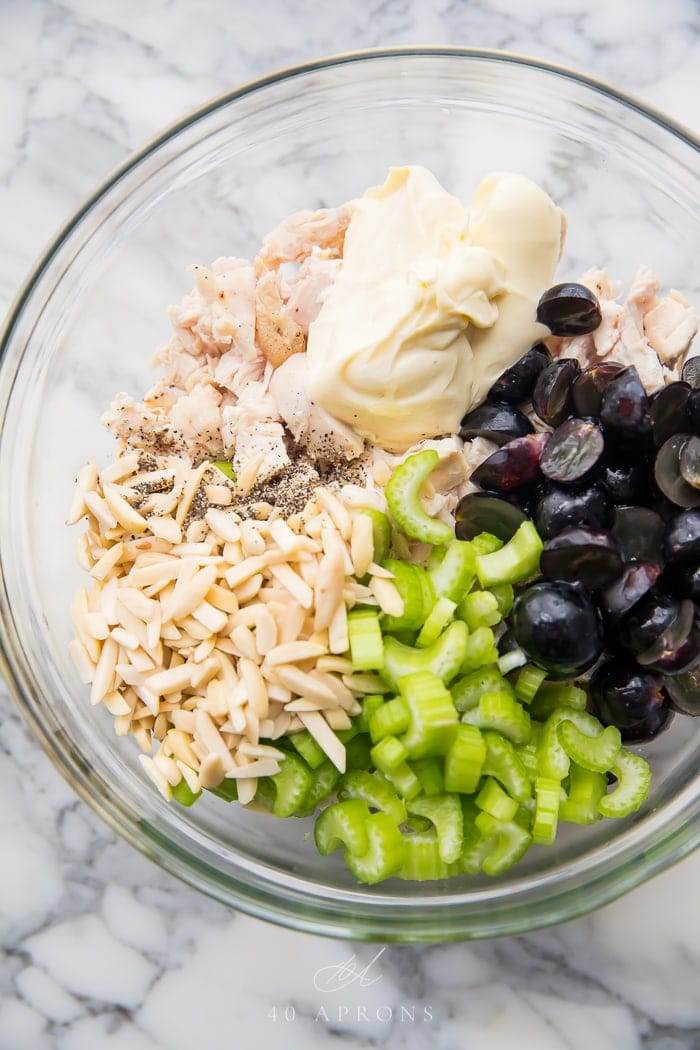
(383, 510)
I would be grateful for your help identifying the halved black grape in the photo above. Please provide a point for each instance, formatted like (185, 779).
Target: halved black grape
(638, 532)
(627, 483)
(667, 411)
(481, 512)
(682, 580)
(569, 309)
(667, 473)
(625, 405)
(691, 372)
(684, 690)
(556, 508)
(559, 628)
(681, 540)
(573, 452)
(636, 580)
(693, 410)
(581, 556)
(647, 622)
(507, 643)
(514, 466)
(622, 695)
(499, 423)
(552, 398)
(515, 385)
(689, 461)
(677, 649)
(587, 390)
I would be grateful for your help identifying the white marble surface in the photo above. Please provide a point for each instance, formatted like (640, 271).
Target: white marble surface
(101, 949)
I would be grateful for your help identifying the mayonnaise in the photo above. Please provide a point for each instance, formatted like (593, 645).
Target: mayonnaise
(432, 302)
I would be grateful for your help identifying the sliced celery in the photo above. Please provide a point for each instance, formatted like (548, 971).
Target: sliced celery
(365, 637)
(445, 813)
(479, 609)
(547, 799)
(342, 825)
(634, 780)
(226, 467)
(431, 774)
(422, 860)
(585, 791)
(516, 561)
(480, 650)
(501, 712)
(375, 790)
(503, 762)
(433, 716)
(467, 691)
(464, 761)
(381, 533)
(403, 498)
(494, 800)
(511, 842)
(391, 719)
(385, 854)
(597, 753)
(453, 574)
(184, 795)
(528, 683)
(443, 658)
(440, 615)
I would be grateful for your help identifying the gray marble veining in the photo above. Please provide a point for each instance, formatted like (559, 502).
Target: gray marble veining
(100, 948)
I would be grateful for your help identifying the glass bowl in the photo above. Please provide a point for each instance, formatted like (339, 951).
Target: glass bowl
(94, 310)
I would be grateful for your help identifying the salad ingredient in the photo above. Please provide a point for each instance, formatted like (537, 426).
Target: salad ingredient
(634, 582)
(556, 508)
(668, 411)
(669, 476)
(588, 387)
(514, 466)
(625, 405)
(582, 556)
(558, 627)
(646, 623)
(448, 298)
(573, 451)
(480, 512)
(552, 397)
(681, 540)
(403, 498)
(626, 483)
(684, 691)
(569, 309)
(634, 700)
(497, 422)
(690, 373)
(516, 561)
(638, 532)
(689, 461)
(515, 385)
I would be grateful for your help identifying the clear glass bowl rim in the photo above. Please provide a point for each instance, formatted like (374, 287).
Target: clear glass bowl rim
(292, 908)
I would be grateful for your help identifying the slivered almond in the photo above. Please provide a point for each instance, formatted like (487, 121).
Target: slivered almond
(166, 528)
(126, 515)
(104, 564)
(362, 544)
(171, 681)
(324, 737)
(293, 583)
(390, 601)
(294, 652)
(303, 684)
(224, 525)
(86, 481)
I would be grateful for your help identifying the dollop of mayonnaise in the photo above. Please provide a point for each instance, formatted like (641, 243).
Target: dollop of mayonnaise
(432, 302)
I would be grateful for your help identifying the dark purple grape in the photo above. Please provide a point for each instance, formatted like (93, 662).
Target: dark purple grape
(507, 643)
(573, 452)
(684, 691)
(581, 556)
(667, 473)
(551, 398)
(638, 532)
(625, 405)
(678, 647)
(689, 461)
(682, 580)
(681, 540)
(691, 372)
(667, 411)
(636, 580)
(647, 622)
(587, 391)
(499, 423)
(693, 411)
(482, 512)
(569, 309)
(515, 385)
(513, 466)
(627, 483)
(558, 627)
(622, 695)
(556, 508)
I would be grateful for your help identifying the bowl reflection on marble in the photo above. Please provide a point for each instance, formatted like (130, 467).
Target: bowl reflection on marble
(95, 308)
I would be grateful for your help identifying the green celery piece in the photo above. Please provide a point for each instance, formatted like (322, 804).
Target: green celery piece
(390, 719)
(305, 745)
(291, 785)
(552, 695)
(464, 761)
(486, 543)
(381, 533)
(547, 800)
(365, 637)
(632, 789)
(529, 682)
(494, 800)
(500, 712)
(480, 650)
(184, 795)
(324, 782)
(511, 843)
(438, 618)
(479, 609)
(422, 861)
(228, 789)
(409, 582)
(375, 790)
(385, 854)
(527, 753)
(431, 774)
(595, 753)
(370, 703)
(389, 756)
(443, 658)
(586, 789)
(403, 498)
(453, 575)
(505, 596)
(468, 690)
(552, 759)
(342, 825)
(503, 762)
(516, 561)
(445, 813)
(226, 467)
(357, 752)
(433, 717)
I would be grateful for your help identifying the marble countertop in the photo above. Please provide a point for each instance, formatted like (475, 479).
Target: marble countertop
(100, 949)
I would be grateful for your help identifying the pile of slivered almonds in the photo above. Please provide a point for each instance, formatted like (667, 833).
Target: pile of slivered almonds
(207, 636)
